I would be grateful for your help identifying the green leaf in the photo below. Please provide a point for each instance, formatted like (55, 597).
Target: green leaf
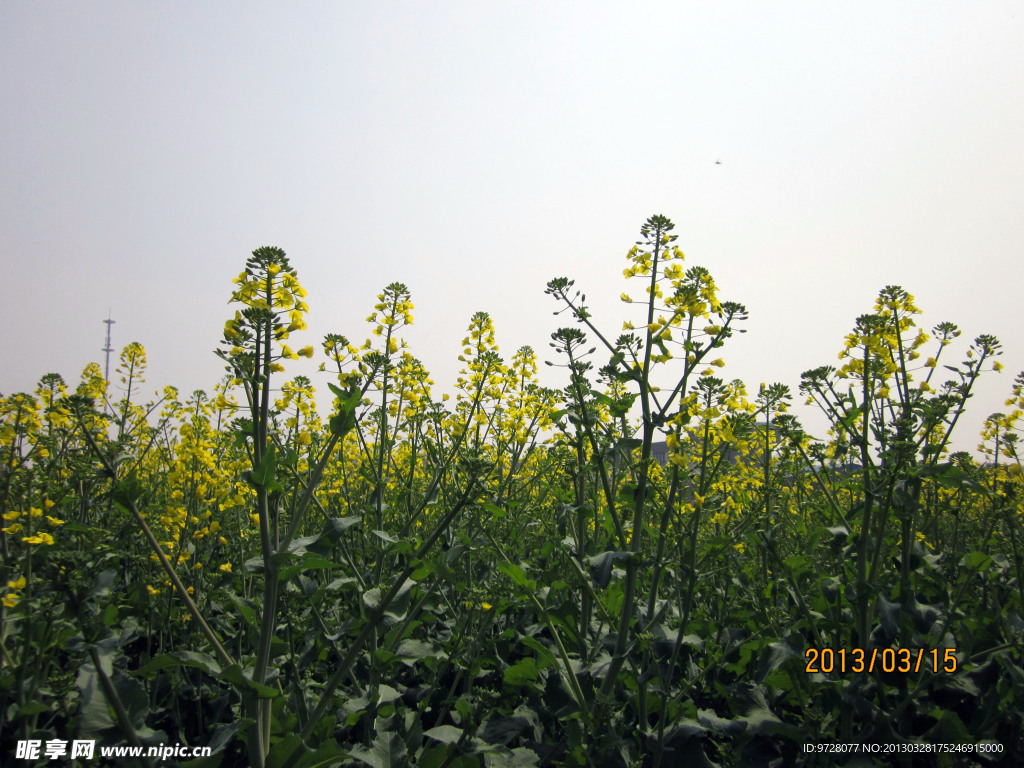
(386, 694)
(950, 730)
(263, 475)
(544, 655)
(502, 730)
(524, 672)
(977, 561)
(446, 734)
(344, 420)
(778, 654)
(192, 659)
(103, 583)
(621, 406)
(291, 752)
(309, 561)
(709, 719)
(413, 650)
(236, 676)
(840, 533)
(243, 432)
(224, 733)
(388, 751)
(395, 610)
(759, 718)
(199, 661)
(335, 526)
(520, 757)
(952, 476)
(32, 708)
(129, 490)
(601, 566)
(383, 536)
(495, 510)
(518, 575)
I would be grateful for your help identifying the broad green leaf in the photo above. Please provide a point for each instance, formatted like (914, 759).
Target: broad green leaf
(523, 672)
(290, 752)
(413, 650)
(977, 561)
(601, 566)
(383, 536)
(388, 751)
(200, 661)
(446, 734)
(264, 473)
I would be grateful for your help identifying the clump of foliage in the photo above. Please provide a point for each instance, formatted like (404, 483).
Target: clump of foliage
(650, 566)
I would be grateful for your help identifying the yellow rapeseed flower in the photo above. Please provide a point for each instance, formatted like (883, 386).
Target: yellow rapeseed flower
(18, 583)
(39, 538)
(226, 567)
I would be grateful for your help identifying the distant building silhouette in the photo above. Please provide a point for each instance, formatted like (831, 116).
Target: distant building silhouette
(659, 452)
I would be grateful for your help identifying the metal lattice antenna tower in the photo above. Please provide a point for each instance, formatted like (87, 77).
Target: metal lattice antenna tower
(108, 349)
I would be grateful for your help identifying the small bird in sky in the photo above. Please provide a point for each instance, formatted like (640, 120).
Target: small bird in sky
(718, 162)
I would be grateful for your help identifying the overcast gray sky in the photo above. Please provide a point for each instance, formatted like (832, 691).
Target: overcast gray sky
(475, 150)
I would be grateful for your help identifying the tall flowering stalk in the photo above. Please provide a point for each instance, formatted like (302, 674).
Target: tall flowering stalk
(885, 408)
(682, 322)
(273, 308)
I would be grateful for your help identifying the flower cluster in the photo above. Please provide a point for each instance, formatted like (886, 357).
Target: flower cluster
(272, 297)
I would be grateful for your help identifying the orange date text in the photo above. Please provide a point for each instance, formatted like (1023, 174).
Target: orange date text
(870, 660)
